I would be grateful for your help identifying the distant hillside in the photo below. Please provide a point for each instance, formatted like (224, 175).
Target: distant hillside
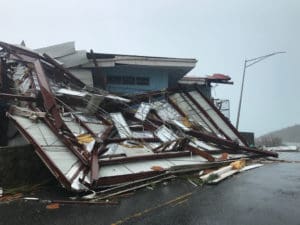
(289, 134)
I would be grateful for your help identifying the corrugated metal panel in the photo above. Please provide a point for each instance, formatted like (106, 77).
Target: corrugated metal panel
(55, 150)
(121, 125)
(145, 166)
(145, 134)
(41, 133)
(97, 128)
(113, 170)
(142, 111)
(215, 117)
(61, 156)
(58, 50)
(181, 125)
(204, 145)
(189, 160)
(128, 149)
(165, 134)
(166, 111)
(193, 113)
(75, 59)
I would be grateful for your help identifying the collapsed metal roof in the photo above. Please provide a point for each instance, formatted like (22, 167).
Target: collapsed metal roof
(89, 138)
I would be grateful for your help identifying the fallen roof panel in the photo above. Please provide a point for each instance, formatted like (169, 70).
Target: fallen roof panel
(89, 138)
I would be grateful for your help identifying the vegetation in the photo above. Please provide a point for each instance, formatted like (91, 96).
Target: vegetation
(268, 141)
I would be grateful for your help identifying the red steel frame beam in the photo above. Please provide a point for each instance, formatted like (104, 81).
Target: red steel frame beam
(205, 113)
(68, 74)
(219, 141)
(201, 153)
(51, 106)
(228, 143)
(19, 97)
(176, 107)
(98, 149)
(82, 156)
(222, 116)
(145, 157)
(126, 178)
(48, 97)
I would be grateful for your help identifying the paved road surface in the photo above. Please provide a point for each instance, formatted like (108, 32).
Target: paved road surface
(267, 195)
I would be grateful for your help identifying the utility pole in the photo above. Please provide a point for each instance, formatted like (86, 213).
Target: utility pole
(248, 63)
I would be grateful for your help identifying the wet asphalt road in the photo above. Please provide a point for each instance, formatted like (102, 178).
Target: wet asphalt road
(267, 195)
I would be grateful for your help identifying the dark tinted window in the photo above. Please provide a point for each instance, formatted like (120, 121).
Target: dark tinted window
(128, 80)
(114, 79)
(142, 80)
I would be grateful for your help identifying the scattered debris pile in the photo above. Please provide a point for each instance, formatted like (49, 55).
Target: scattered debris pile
(90, 139)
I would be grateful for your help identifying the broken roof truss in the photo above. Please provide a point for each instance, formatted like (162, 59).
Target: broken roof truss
(90, 139)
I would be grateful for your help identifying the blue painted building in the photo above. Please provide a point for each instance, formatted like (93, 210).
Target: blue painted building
(129, 74)
(125, 74)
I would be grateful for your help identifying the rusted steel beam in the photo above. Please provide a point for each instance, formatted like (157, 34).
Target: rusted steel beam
(82, 155)
(66, 73)
(106, 133)
(57, 125)
(101, 117)
(21, 58)
(162, 147)
(94, 165)
(227, 143)
(219, 141)
(48, 97)
(51, 165)
(110, 156)
(222, 116)
(19, 97)
(99, 148)
(176, 107)
(81, 123)
(145, 157)
(144, 96)
(147, 125)
(126, 178)
(19, 51)
(199, 107)
(201, 153)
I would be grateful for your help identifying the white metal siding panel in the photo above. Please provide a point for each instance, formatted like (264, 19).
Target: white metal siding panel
(85, 75)
(215, 117)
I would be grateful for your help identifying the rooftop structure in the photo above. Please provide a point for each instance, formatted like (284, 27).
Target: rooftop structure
(124, 74)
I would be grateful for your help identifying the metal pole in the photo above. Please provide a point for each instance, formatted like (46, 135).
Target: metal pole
(252, 62)
(241, 97)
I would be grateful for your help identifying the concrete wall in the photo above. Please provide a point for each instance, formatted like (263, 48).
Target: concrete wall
(20, 165)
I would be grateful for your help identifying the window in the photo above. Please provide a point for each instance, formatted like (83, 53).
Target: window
(128, 80)
(114, 79)
(142, 80)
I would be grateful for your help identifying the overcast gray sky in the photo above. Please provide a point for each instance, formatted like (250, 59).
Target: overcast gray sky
(219, 34)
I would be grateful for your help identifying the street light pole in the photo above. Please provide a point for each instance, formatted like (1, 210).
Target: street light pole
(246, 65)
